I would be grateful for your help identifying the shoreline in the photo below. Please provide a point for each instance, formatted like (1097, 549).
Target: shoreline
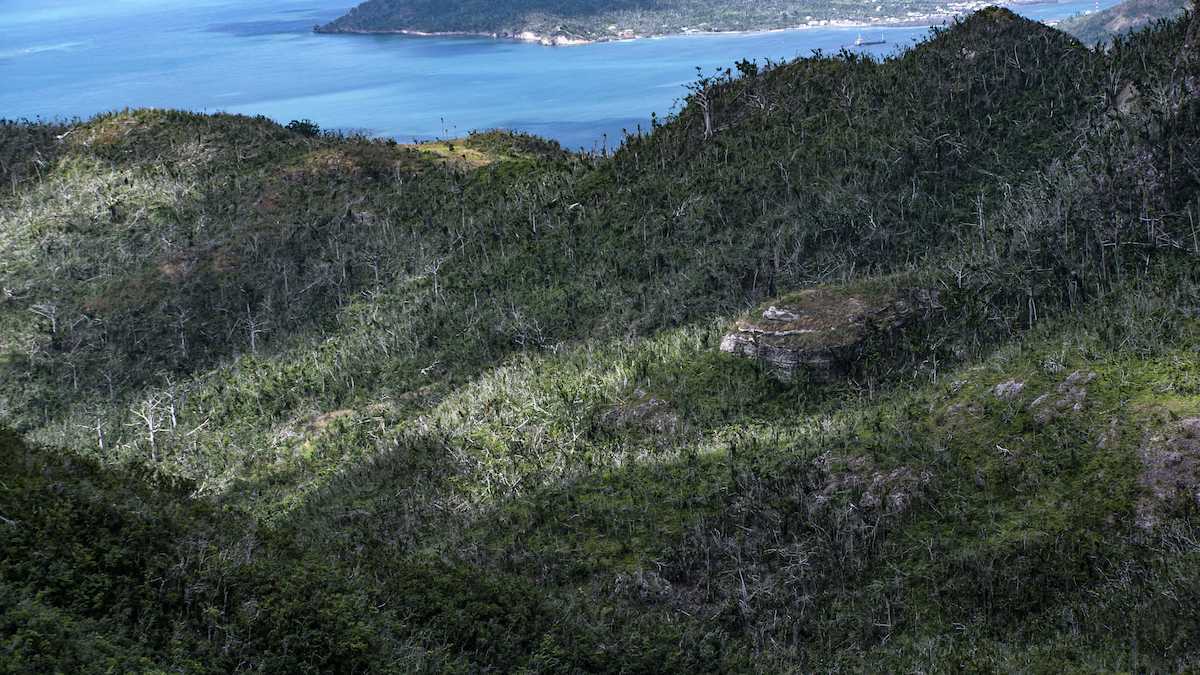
(531, 37)
(563, 40)
(551, 40)
(526, 36)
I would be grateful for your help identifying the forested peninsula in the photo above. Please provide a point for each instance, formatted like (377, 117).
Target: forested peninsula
(1102, 26)
(560, 22)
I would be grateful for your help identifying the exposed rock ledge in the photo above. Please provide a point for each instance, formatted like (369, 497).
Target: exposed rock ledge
(823, 330)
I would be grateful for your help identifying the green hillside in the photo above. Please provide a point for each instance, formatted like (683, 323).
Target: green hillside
(1126, 17)
(608, 19)
(283, 401)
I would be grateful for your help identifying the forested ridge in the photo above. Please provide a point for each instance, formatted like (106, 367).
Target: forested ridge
(608, 19)
(1125, 17)
(283, 401)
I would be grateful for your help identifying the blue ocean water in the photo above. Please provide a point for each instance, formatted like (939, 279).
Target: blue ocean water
(76, 58)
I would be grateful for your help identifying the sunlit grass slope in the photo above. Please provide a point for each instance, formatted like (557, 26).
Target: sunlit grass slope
(288, 402)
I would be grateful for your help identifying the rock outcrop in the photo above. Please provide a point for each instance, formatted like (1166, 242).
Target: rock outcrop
(1009, 390)
(1170, 478)
(822, 330)
(1069, 396)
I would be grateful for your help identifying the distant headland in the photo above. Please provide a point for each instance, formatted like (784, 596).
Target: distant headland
(587, 21)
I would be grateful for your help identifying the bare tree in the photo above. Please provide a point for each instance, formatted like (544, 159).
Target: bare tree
(149, 415)
(701, 95)
(255, 325)
(49, 312)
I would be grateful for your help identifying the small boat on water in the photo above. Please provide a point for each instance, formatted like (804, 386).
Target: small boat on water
(861, 42)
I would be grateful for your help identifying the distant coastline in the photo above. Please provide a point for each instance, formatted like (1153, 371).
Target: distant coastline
(564, 40)
(525, 36)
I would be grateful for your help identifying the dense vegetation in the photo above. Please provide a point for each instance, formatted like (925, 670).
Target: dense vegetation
(607, 19)
(283, 401)
(1121, 19)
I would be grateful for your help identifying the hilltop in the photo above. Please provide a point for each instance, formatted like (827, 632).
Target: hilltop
(555, 22)
(850, 365)
(1131, 15)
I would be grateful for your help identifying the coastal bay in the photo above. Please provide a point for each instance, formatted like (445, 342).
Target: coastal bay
(77, 59)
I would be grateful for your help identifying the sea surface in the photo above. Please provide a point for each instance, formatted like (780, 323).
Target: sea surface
(61, 59)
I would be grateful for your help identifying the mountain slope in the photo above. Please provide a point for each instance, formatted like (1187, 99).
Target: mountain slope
(1128, 16)
(297, 403)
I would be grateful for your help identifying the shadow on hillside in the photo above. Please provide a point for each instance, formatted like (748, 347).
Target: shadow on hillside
(709, 470)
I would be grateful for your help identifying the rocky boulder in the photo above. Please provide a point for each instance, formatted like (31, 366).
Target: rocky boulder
(823, 330)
